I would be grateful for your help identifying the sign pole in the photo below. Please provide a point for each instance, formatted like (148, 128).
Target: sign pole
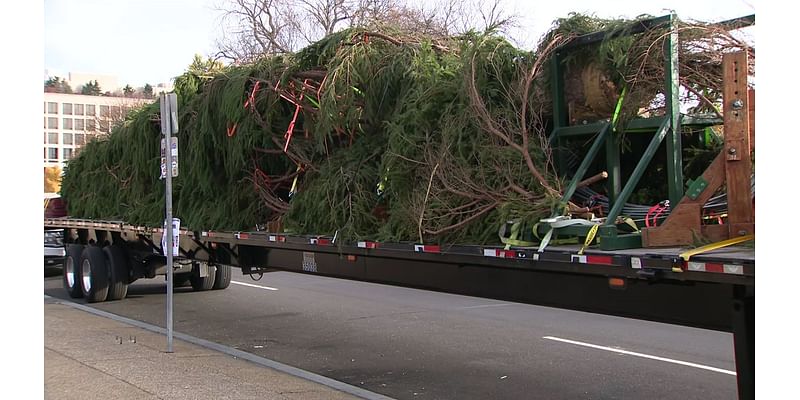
(169, 125)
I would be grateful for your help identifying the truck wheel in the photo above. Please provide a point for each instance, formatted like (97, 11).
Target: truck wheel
(118, 272)
(94, 274)
(222, 278)
(72, 271)
(181, 280)
(202, 283)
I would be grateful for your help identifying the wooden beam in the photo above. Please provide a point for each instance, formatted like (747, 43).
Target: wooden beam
(738, 166)
(683, 223)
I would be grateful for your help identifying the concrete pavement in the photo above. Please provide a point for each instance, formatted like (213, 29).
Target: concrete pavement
(88, 356)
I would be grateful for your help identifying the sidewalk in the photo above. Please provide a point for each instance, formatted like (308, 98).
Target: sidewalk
(87, 357)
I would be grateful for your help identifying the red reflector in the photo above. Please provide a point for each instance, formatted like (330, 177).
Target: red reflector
(351, 257)
(605, 260)
(714, 267)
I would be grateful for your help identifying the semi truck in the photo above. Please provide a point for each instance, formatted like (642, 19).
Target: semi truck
(652, 269)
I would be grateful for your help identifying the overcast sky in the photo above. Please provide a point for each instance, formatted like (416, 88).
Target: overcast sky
(152, 41)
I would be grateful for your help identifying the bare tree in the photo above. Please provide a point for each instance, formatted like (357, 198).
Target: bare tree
(262, 27)
(258, 27)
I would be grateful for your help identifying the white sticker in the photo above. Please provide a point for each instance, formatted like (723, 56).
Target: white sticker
(176, 227)
(636, 262)
(309, 263)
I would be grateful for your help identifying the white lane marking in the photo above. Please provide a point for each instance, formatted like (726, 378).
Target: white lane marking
(484, 306)
(255, 286)
(631, 353)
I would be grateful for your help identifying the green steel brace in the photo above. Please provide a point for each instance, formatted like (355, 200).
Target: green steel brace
(608, 231)
(672, 99)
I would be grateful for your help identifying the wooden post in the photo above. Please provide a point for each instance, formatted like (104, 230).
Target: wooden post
(733, 167)
(738, 166)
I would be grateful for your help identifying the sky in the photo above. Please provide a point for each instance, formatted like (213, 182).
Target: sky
(152, 41)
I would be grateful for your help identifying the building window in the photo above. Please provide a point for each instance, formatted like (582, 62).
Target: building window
(104, 125)
(67, 123)
(52, 123)
(52, 153)
(103, 111)
(67, 154)
(66, 138)
(66, 108)
(90, 125)
(79, 124)
(52, 137)
(90, 109)
(79, 139)
(78, 109)
(52, 108)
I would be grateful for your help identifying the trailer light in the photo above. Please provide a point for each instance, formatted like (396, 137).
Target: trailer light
(616, 283)
(351, 258)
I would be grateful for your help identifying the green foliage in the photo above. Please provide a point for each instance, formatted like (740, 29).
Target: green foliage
(92, 88)
(387, 141)
(55, 84)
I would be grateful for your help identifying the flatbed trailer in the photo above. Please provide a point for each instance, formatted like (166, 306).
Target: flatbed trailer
(713, 290)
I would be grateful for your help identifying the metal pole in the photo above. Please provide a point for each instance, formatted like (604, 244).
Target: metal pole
(168, 194)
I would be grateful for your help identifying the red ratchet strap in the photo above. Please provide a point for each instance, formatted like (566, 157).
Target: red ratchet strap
(657, 210)
(231, 129)
(251, 101)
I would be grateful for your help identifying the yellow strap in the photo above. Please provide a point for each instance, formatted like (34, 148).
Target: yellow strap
(713, 246)
(589, 238)
(631, 223)
(512, 240)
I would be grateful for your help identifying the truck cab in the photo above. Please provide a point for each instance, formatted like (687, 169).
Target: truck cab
(53, 238)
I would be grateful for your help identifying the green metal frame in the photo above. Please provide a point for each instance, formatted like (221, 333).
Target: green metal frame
(667, 127)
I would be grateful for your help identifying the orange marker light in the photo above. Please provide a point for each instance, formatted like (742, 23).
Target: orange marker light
(616, 283)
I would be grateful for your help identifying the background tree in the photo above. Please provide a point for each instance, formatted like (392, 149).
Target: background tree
(92, 88)
(55, 84)
(254, 28)
(128, 91)
(147, 91)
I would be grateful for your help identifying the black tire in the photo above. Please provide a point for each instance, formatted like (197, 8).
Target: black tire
(222, 278)
(181, 280)
(118, 272)
(94, 274)
(199, 283)
(72, 271)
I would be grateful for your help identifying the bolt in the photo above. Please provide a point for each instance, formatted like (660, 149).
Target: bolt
(737, 104)
(742, 232)
(732, 151)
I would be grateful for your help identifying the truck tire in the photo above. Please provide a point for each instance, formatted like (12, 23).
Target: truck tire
(181, 280)
(72, 271)
(118, 272)
(94, 274)
(222, 278)
(201, 283)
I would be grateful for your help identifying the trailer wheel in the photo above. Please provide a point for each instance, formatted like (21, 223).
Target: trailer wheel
(119, 270)
(181, 280)
(201, 283)
(72, 271)
(94, 274)
(222, 278)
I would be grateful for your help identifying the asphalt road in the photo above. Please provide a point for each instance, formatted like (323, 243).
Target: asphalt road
(415, 344)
